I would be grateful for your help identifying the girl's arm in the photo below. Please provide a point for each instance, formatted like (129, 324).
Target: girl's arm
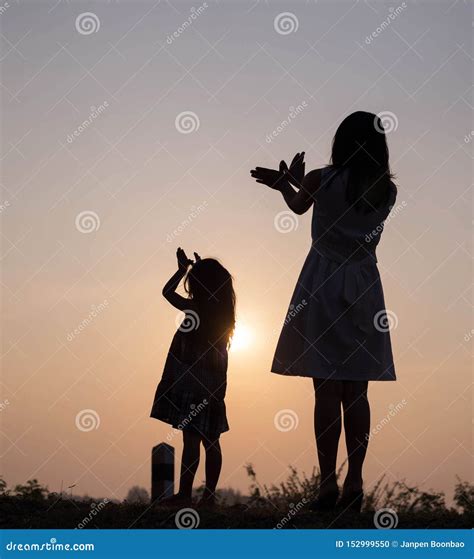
(169, 290)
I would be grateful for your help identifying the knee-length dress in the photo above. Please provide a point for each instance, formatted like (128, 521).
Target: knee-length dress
(192, 389)
(337, 326)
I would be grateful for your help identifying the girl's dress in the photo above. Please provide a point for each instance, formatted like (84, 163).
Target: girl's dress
(337, 326)
(192, 389)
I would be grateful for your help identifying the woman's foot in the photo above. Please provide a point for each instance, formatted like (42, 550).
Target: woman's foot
(352, 495)
(208, 501)
(326, 500)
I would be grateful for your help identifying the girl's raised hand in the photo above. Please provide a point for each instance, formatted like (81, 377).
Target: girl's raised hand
(183, 260)
(271, 177)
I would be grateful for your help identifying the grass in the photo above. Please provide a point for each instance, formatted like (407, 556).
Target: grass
(282, 506)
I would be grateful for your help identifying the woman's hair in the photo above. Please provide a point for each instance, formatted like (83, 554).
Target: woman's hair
(210, 287)
(360, 146)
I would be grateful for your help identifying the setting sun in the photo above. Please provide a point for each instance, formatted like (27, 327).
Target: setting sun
(242, 338)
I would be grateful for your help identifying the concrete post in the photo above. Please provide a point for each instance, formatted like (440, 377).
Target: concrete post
(162, 472)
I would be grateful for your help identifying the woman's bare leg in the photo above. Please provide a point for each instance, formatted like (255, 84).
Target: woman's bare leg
(356, 426)
(327, 428)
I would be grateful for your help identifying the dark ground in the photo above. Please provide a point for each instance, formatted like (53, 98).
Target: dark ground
(19, 513)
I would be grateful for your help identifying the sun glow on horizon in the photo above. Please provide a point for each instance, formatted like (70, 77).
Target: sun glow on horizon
(243, 337)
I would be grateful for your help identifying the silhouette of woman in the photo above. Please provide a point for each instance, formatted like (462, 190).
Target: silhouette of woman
(337, 328)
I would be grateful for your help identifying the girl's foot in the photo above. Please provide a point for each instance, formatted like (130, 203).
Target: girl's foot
(176, 501)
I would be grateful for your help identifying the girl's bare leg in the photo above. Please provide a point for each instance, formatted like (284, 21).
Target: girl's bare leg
(189, 463)
(213, 467)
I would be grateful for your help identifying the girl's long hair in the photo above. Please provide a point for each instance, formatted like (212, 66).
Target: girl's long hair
(360, 146)
(211, 289)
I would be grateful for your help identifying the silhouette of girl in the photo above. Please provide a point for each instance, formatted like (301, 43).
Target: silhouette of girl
(191, 393)
(337, 331)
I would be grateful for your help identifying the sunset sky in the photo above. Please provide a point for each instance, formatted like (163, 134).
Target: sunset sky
(150, 178)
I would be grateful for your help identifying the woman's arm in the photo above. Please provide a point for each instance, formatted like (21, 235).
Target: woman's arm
(300, 201)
